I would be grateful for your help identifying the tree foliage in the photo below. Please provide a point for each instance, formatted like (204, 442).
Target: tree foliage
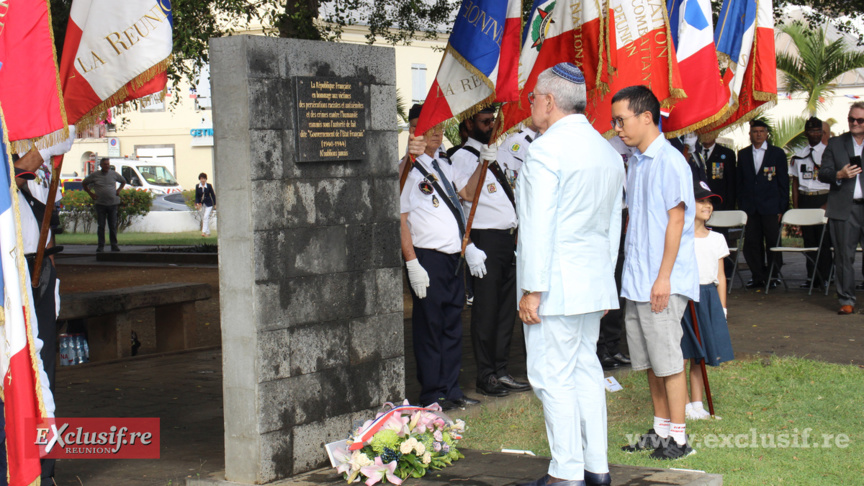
(817, 64)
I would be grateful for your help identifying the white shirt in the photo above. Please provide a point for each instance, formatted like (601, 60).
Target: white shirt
(494, 209)
(513, 152)
(707, 151)
(431, 222)
(857, 194)
(759, 155)
(709, 251)
(803, 166)
(39, 188)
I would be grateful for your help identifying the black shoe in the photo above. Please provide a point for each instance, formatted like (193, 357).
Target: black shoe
(115, 248)
(465, 402)
(511, 384)
(755, 284)
(446, 405)
(594, 479)
(539, 482)
(621, 358)
(492, 388)
(806, 285)
(669, 450)
(860, 286)
(774, 283)
(100, 249)
(649, 440)
(609, 363)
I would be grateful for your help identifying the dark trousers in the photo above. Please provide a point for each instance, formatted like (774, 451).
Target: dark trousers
(846, 236)
(493, 315)
(612, 324)
(760, 234)
(811, 236)
(109, 213)
(437, 327)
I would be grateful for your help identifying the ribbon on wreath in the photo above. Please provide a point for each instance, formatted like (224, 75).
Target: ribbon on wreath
(364, 435)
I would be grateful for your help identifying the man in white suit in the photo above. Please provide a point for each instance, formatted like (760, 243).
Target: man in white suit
(569, 205)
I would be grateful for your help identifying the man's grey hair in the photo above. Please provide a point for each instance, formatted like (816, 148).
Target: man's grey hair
(569, 97)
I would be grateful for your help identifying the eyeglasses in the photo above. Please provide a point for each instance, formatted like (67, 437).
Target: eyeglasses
(619, 121)
(531, 97)
(853, 120)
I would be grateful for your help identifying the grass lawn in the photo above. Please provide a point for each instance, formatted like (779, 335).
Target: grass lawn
(767, 406)
(147, 239)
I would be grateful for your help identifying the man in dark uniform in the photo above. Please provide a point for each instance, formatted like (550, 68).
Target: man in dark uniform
(490, 257)
(432, 225)
(720, 165)
(763, 192)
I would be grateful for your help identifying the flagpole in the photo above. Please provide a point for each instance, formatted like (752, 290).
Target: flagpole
(480, 181)
(409, 164)
(46, 219)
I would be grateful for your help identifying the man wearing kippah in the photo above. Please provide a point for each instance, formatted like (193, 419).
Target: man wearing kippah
(569, 208)
(808, 193)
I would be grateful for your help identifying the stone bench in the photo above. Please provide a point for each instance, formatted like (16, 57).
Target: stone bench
(109, 327)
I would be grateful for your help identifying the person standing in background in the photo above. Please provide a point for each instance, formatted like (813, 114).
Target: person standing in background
(205, 198)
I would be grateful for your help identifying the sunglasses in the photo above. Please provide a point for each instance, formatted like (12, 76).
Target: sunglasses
(853, 120)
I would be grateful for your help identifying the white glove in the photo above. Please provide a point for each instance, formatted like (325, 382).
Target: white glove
(60, 148)
(418, 278)
(725, 313)
(475, 258)
(489, 152)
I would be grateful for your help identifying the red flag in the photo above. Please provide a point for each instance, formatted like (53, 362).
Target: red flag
(641, 52)
(29, 85)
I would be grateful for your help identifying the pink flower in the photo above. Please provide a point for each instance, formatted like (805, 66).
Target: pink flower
(436, 446)
(398, 423)
(380, 471)
(437, 435)
(422, 421)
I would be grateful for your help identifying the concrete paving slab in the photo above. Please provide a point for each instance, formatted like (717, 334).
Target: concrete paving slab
(480, 468)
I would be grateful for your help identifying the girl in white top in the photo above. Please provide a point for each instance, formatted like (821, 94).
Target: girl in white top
(715, 346)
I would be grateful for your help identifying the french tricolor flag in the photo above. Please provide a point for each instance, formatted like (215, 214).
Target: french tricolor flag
(480, 64)
(26, 398)
(745, 34)
(707, 97)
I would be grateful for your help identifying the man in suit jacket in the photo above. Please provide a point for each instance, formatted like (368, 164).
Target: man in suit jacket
(720, 165)
(845, 209)
(569, 206)
(763, 192)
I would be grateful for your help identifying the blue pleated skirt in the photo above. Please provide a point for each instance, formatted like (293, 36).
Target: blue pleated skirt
(716, 345)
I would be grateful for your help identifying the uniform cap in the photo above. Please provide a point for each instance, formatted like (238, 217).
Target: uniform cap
(702, 191)
(414, 112)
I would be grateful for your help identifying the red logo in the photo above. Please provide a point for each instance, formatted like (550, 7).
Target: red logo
(97, 438)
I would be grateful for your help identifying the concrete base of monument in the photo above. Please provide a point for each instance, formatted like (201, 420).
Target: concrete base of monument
(496, 469)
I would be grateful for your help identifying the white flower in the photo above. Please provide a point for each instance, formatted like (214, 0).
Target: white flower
(420, 448)
(408, 446)
(427, 458)
(458, 426)
(359, 460)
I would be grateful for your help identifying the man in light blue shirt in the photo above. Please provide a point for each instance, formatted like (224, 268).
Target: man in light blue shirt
(660, 273)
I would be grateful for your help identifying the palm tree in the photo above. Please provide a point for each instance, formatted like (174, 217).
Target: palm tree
(814, 70)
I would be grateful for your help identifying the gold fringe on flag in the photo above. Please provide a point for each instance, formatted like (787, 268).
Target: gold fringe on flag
(471, 69)
(23, 281)
(97, 113)
(675, 94)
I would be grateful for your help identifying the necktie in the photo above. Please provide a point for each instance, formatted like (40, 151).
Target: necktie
(448, 188)
(706, 151)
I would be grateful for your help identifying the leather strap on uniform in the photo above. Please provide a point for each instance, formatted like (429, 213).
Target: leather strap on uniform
(434, 182)
(502, 179)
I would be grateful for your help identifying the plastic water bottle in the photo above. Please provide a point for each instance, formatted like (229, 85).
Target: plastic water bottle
(86, 348)
(70, 356)
(64, 350)
(79, 349)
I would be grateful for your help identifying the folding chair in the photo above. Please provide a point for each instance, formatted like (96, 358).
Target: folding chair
(731, 220)
(799, 217)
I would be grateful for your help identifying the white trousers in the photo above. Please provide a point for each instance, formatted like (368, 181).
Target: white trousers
(567, 377)
(205, 219)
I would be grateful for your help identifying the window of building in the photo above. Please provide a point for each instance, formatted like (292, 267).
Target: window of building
(418, 83)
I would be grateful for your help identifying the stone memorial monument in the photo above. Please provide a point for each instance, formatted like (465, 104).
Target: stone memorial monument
(309, 257)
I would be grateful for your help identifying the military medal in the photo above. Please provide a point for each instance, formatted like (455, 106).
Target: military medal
(432, 177)
(435, 201)
(492, 188)
(425, 187)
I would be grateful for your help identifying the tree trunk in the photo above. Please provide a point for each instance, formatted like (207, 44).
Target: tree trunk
(298, 21)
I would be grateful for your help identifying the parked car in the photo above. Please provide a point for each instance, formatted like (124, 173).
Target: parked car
(170, 202)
